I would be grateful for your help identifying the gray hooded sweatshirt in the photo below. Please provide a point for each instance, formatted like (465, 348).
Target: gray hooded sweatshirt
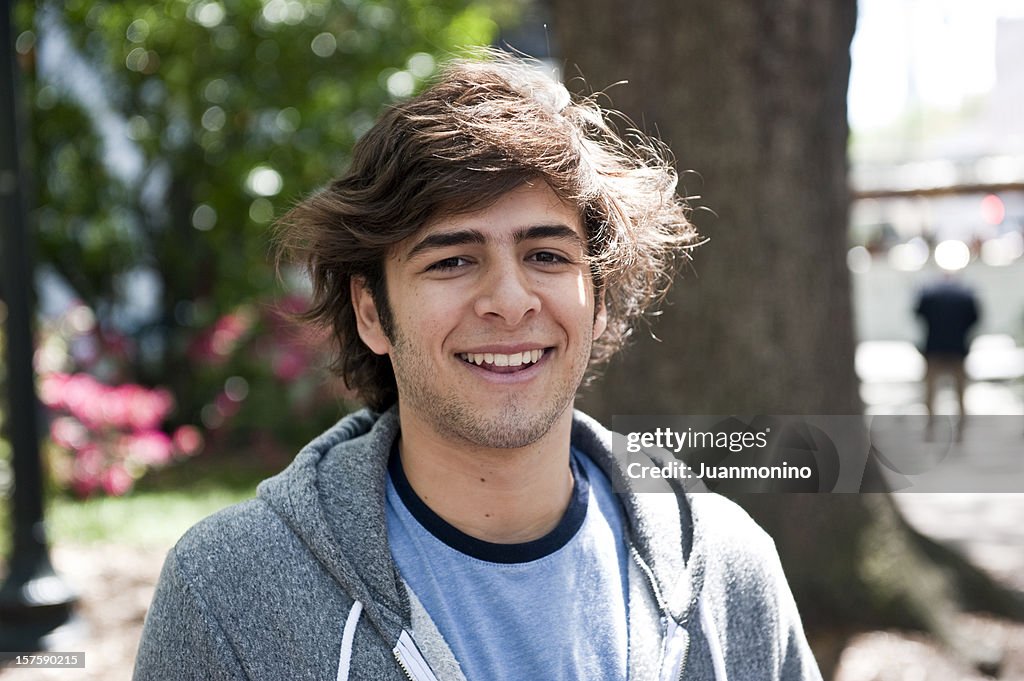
(299, 582)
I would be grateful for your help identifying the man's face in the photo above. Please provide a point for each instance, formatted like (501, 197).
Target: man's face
(494, 319)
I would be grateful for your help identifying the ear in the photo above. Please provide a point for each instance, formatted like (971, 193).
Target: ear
(367, 320)
(600, 316)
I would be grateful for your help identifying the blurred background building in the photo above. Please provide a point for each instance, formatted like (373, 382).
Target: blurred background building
(937, 171)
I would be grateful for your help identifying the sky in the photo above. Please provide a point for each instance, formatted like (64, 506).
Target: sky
(944, 49)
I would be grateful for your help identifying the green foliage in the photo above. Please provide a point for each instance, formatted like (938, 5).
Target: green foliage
(165, 139)
(172, 133)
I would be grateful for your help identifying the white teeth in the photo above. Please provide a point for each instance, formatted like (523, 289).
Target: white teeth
(499, 360)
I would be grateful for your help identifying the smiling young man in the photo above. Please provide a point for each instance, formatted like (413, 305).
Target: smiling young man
(491, 242)
(494, 315)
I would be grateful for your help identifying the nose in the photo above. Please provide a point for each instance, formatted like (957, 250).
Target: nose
(506, 293)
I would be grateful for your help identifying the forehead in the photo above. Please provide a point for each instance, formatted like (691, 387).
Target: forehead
(530, 205)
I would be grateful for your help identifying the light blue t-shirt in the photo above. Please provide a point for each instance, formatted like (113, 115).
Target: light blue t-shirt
(554, 608)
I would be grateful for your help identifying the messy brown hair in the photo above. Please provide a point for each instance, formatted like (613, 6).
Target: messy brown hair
(483, 128)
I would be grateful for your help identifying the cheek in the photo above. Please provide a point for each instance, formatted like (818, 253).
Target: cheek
(426, 319)
(585, 298)
(582, 290)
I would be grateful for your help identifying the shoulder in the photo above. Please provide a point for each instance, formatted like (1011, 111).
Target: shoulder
(245, 567)
(743, 573)
(248, 523)
(747, 595)
(727, 525)
(233, 547)
(734, 544)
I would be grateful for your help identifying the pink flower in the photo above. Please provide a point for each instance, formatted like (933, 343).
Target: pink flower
(116, 481)
(84, 397)
(188, 440)
(117, 405)
(126, 407)
(89, 461)
(51, 390)
(84, 487)
(151, 448)
(108, 435)
(215, 344)
(146, 409)
(67, 432)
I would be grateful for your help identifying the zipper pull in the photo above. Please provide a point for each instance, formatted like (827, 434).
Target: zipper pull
(677, 643)
(411, 660)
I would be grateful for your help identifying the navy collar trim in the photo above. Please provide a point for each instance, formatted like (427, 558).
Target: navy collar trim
(487, 551)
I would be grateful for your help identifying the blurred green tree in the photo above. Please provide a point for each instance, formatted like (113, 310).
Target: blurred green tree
(167, 136)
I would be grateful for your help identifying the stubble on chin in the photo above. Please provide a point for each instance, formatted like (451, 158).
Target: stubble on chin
(510, 425)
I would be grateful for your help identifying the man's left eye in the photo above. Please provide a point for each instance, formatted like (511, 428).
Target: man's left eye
(548, 257)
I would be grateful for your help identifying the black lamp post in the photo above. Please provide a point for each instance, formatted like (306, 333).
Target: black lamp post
(34, 602)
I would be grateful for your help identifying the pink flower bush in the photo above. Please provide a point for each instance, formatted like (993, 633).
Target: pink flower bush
(111, 433)
(127, 407)
(254, 372)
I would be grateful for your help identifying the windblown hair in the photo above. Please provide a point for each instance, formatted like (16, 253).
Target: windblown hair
(485, 127)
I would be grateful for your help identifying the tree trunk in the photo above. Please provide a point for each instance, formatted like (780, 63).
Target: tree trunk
(751, 94)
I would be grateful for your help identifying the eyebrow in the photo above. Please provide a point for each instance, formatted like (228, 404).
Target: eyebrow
(463, 237)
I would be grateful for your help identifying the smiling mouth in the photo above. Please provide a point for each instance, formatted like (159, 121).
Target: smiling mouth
(501, 363)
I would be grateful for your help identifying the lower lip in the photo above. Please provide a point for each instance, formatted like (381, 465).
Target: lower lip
(508, 378)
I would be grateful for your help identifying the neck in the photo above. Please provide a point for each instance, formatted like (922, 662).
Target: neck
(504, 496)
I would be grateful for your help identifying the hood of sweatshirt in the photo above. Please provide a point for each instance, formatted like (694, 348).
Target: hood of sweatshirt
(332, 498)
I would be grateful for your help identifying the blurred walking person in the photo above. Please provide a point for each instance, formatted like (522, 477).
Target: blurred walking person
(949, 309)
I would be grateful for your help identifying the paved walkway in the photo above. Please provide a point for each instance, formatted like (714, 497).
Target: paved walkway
(115, 584)
(974, 496)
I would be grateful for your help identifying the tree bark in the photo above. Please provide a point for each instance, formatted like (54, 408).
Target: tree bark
(751, 96)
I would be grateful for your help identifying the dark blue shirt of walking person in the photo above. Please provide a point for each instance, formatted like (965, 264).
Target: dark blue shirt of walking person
(949, 310)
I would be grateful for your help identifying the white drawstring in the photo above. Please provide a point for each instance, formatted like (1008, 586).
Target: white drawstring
(714, 643)
(347, 636)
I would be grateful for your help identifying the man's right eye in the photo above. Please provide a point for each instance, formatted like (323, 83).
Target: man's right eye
(448, 264)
